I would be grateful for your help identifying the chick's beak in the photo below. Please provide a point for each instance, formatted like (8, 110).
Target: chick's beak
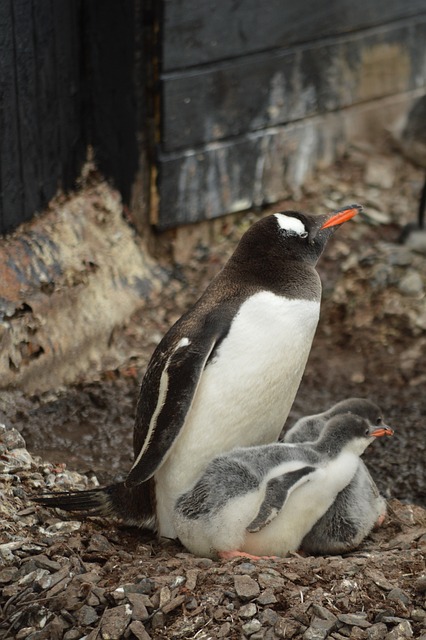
(383, 430)
(338, 217)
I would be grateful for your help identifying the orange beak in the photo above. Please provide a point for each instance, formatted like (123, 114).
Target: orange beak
(382, 431)
(341, 216)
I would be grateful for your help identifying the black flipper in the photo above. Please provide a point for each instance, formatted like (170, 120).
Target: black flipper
(276, 494)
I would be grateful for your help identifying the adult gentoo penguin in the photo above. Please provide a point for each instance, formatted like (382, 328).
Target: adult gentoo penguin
(263, 500)
(226, 373)
(359, 506)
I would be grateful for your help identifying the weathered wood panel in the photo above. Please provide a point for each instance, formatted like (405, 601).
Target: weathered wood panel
(199, 32)
(10, 153)
(42, 145)
(110, 79)
(66, 81)
(255, 92)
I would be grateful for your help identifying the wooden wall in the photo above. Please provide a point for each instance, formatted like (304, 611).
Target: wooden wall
(246, 87)
(66, 81)
(229, 101)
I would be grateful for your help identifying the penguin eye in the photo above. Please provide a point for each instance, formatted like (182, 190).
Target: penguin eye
(304, 234)
(379, 420)
(367, 432)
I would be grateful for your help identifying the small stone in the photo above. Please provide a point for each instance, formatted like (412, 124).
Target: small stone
(411, 284)
(251, 627)
(269, 617)
(146, 586)
(115, 621)
(266, 597)
(86, 615)
(24, 633)
(246, 587)
(158, 620)
(380, 172)
(139, 610)
(401, 631)
(271, 580)
(398, 595)
(354, 620)
(377, 631)
(11, 438)
(420, 584)
(245, 567)
(224, 630)
(416, 241)
(99, 544)
(7, 575)
(247, 610)
(323, 613)
(72, 634)
(139, 630)
(315, 633)
(418, 615)
(191, 579)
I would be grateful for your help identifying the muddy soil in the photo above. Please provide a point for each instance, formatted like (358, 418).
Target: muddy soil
(115, 582)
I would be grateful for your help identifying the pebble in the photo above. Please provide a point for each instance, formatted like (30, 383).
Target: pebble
(398, 595)
(380, 172)
(251, 627)
(420, 584)
(86, 615)
(377, 631)
(115, 622)
(11, 438)
(416, 241)
(139, 630)
(267, 597)
(401, 631)
(411, 284)
(269, 617)
(246, 587)
(138, 604)
(247, 610)
(354, 620)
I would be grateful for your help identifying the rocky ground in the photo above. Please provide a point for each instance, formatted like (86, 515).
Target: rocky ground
(63, 578)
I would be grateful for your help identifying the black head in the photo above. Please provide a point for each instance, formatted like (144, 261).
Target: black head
(292, 235)
(349, 432)
(360, 407)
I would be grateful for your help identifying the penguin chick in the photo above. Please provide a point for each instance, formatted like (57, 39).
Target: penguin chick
(359, 506)
(264, 500)
(226, 373)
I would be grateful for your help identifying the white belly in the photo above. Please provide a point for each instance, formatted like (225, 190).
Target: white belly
(303, 508)
(245, 393)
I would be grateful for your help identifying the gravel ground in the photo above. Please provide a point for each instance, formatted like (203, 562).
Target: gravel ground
(95, 579)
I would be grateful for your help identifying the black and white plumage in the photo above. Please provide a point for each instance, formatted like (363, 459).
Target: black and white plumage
(359, 506)
(264, 500)
(226, 373)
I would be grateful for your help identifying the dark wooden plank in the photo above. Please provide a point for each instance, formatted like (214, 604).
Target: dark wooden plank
(10, 154)
(46, 100)
(27, 104)
(200, 31)
(255, 92)
(235, 175)
(68, 63)
(111, 59)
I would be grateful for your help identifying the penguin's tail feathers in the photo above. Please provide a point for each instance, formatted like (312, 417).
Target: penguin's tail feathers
(131, 505)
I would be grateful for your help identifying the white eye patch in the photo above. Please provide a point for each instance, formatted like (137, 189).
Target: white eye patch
(293, 226)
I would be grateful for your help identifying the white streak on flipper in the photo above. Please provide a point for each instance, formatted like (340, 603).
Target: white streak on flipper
(162, 395)
(288, 223)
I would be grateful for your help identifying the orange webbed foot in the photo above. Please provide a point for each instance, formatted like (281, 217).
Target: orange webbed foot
(229, 555)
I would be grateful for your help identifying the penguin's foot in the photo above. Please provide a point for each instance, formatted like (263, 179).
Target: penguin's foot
(229, 555)
(380, 520)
